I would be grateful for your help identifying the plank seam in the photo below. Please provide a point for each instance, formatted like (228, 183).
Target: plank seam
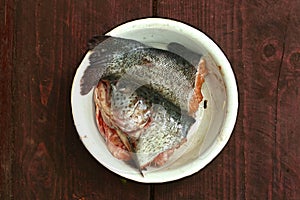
(154, 7)
(277, 101)
(151, 192)
(13, 100)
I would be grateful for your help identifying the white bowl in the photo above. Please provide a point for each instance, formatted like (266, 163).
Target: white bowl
(214, 125)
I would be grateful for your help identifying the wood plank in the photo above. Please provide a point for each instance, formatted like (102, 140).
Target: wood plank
(260, 160)
(6, 64)
(264, 60)
(287, 161)
(50, 161)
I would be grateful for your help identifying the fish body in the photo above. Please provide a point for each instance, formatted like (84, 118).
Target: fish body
(152, 124)
(165, 72)
(145, 98)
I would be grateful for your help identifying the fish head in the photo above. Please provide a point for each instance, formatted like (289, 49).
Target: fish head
(129, 111)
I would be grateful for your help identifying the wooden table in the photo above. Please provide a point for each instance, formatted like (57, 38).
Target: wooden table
(42, 43)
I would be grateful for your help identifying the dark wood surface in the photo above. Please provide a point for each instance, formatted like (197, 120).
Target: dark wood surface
(42, 43)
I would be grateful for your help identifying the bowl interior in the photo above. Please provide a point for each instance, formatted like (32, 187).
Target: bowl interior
(215, 120)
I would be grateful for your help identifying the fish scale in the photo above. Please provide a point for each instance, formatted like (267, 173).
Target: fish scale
(149, 92)
(165, 72)
(167, 127)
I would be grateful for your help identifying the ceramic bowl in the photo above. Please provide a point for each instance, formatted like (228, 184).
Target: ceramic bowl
(214, 125)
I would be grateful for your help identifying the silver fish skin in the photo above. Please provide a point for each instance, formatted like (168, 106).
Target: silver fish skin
(153, 124)
(164, 72)
(184, 52)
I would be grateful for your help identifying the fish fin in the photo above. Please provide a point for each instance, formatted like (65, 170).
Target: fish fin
(189, 121)
(94, 41)
(134, 156)
(141, 172)
(105, 51)
(184, 52)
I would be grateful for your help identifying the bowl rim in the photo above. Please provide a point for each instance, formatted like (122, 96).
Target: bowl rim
(231, 91)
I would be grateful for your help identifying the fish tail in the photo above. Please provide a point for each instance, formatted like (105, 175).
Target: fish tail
(105, 51)
(89, 79)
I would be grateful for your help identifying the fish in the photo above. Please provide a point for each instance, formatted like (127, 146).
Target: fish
(165, 72)
(150, 127)
(145, 98)
(182, 51)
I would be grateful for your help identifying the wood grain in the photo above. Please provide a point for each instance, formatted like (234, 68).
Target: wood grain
(50, 162)
(286, 178)
(264, 58)
(6, 65)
